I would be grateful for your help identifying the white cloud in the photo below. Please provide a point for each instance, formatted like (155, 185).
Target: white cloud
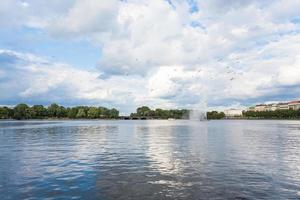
(86, 18)
(7, 19)
(157, 53)
(33, 13)
(25, 76)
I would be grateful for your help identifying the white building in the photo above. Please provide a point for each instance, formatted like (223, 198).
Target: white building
(283, 106)
(272, 107)
(233, 113)
(294, 105)
(260, 107)
(252, 108)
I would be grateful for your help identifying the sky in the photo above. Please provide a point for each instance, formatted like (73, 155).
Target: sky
(215, 54)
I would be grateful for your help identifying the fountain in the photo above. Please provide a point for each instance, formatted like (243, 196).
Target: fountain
(198, 111)
(197, 115)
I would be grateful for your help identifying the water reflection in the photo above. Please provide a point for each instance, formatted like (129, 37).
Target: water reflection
(150, 160)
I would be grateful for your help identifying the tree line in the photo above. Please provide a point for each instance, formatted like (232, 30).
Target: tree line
(55, 111)
(23, 111)
(146, 112)
(277, 114)
(215, 115)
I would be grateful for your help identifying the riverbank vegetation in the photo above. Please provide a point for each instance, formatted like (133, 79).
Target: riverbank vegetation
(277, 114)
(55, 111)
(147, 113)
(215, 115)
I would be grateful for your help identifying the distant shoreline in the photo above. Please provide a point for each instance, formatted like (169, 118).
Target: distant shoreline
(231, 119)
(56, 112)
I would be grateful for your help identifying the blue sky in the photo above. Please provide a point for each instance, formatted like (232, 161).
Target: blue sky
(78, 53)
(176, 53)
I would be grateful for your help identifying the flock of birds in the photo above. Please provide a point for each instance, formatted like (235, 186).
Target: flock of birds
(227, 73)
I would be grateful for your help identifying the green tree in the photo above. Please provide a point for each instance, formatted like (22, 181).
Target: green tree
(104, 112)
(5, 113)
(158, 113)
(38, 112)
(61, 112)
(81, 113)
(52, 110)
(113, 113)
(277, 114)
(72, 112)
(143, 111)
(21, 111)
(215, 115)
(93, 113)
(162, 114)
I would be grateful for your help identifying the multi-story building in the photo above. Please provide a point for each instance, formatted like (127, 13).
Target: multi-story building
(260, 107)
(272, 107)
(283, 106)
(233, 113)
(294, 105)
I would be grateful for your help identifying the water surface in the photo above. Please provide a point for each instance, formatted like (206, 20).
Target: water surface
(149, 160)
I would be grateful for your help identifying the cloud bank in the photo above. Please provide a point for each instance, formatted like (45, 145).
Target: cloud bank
(160, 53)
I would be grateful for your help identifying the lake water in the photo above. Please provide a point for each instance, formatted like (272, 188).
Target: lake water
(149, 160)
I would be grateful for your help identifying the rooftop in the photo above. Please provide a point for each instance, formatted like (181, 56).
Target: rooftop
(294, 102)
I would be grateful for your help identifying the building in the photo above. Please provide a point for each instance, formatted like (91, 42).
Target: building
(260, 107)
(294, 105)
(272, 107)
(283, 106)
(230, 113)
(252, 108)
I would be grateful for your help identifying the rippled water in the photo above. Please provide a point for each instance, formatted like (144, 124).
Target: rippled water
(150, 160)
